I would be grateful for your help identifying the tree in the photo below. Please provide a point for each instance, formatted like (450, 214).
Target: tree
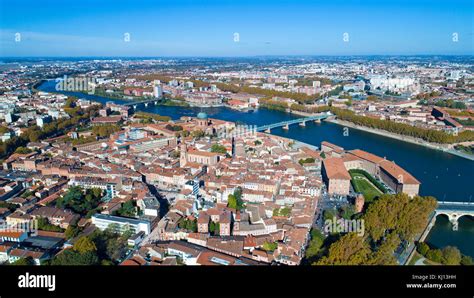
(72, 257)
(43, 224)
(407, 216)
(105, 130)
(315, 244)
(372, 98)
(217, 148)
(28, 261)
(212, 227)
(350, 249)
(429, 135)
(235, 200)
(232, 201)
(451, 255)
(4, 129)
(23, 150)
(422, 248)
(197, 134)
(435, 255)
(384, 253)
(347, 211)
(270, 246)
(84, 244)
(71, 231)
(329, 214)
(127, 210)
(307, 160)
(388, 221)
(80, 201)
(467, 261)
(191, 225)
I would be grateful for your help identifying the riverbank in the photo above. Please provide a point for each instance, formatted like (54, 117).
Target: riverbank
(445, 176)
(401, 138)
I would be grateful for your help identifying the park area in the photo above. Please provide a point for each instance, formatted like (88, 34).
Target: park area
(362, 185)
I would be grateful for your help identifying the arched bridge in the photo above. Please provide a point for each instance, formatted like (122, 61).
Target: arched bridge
(455, 210)
(300, 121)
(134, 104)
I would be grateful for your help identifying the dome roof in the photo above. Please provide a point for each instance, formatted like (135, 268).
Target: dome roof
(202, 115)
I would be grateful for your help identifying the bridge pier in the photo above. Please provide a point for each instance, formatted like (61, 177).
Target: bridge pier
(454, 211)
(287, 127)
(317, 121)
(302, 123)
(453, 218)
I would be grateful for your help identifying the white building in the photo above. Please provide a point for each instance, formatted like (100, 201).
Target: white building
(384, 82)
(122, 224)
(157, 89)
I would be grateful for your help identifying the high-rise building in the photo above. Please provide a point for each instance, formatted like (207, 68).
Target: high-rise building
(157, 89)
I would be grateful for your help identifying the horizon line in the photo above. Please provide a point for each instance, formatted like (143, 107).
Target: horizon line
(232, 56)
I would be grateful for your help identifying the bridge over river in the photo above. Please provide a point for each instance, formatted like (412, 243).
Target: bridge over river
(301, 121)
(134, 104)
(454, 211)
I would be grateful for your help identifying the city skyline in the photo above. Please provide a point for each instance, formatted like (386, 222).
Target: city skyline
(226, 29)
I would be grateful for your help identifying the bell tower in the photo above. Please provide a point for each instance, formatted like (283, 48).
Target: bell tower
(183, 156)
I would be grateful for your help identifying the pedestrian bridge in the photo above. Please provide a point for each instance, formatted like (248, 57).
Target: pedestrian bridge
(301, 121)
(455, 210)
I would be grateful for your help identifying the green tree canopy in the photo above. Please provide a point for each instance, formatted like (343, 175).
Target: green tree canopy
(84, 244)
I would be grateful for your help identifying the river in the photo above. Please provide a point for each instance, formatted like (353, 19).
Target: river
(442, 175)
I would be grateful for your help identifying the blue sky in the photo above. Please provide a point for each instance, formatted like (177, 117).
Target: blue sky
(206, 28)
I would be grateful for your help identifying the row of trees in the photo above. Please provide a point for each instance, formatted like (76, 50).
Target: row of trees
(100, 248)
(389, 221)
(150, 117)
(449, 103)
(190, 225)
(35, 133)
(306, 160)
(428, 135)
(449, 255)
(106, 130)
(45, 225)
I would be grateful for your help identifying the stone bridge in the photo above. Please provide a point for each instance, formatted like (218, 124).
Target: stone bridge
(455, 210)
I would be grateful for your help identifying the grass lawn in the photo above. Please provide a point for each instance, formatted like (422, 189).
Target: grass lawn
(362, 185)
